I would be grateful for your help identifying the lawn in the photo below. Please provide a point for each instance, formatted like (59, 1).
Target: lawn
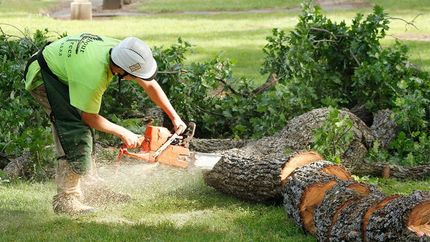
(174, 205)
(167, 205)
(24, 7)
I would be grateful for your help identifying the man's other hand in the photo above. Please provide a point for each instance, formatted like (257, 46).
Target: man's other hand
(130, 139)
(179, 125)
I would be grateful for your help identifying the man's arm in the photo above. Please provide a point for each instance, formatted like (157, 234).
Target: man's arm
(157, 95)
(98, 122)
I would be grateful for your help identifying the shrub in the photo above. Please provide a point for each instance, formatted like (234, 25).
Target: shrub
(333, 138)
(324, 63)
(23, 123)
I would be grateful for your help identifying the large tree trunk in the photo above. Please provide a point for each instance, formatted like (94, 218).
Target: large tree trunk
(322, 198)
(314, 191)
(298, 135)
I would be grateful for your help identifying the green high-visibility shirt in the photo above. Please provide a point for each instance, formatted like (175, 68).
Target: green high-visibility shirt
(82, 63)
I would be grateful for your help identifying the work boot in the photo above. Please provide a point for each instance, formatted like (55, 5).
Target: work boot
(69, 193)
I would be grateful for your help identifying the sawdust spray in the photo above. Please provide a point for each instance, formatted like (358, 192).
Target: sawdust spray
(133, 180)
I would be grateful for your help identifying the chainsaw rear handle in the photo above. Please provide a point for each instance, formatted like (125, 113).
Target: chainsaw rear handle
(146, 156)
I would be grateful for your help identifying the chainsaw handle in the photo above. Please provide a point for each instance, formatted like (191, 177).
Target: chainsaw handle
(146, 156)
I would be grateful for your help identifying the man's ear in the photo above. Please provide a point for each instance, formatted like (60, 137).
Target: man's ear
(114, 68)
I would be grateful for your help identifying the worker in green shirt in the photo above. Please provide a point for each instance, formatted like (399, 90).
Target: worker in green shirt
(68, 78)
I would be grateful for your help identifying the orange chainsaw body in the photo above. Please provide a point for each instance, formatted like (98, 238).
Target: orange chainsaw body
(176, 155)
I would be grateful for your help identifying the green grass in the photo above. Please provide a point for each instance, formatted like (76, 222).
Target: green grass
(13, 7)
(167, 205)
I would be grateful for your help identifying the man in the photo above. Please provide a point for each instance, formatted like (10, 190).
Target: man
(68, 78)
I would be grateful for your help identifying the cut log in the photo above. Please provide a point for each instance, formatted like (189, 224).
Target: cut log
(297, 161)
(372, 209)
(298, 134)
(246, 179)
(304, 191)
(419, 219)
(252, 178)
(335, 200)
(401, 219)
(348, 224)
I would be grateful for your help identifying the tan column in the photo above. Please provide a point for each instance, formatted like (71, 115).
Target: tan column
(81, 10)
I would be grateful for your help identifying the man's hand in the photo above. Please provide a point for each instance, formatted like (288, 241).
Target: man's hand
(157, 95)
(130, 139)
(179, 125)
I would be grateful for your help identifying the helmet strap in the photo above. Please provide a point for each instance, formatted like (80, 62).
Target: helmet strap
(118, 94)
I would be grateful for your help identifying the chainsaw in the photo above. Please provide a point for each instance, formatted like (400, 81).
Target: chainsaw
(159, 145)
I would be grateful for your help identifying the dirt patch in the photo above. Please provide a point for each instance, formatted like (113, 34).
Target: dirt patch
(62, 10)
(414, 37)
(343, 4)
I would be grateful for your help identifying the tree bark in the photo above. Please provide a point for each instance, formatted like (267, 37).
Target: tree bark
(348, 225)
(391, 222)
(255, 178)
(384, 127)
(335, 200)
(304, 191)
(246, 178)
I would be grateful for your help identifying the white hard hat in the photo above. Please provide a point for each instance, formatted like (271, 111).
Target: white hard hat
(135, 57)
